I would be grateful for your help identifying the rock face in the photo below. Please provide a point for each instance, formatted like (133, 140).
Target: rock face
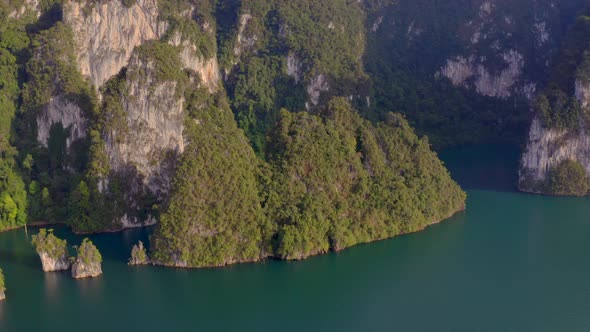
(51, 264)
(68, 114)
(154, 115)
(147, 151)
(315, 88)
(139, 255)
(547, 148)
(88, 262)
(108, 33)
(471, 73)
(244, 41)
(496, 60)
(82, 270)
(208, 70)
(27, 6)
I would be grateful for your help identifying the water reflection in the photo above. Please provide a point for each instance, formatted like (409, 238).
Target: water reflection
(52, 286)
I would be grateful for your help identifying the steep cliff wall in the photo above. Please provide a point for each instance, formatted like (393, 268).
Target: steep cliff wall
(65, 112)
(143, 149)
(454, 67)
(207, 69)
(549, 147)
(106, 32)
(557, 156)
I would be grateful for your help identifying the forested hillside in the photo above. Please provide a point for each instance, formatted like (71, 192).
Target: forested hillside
(255, 128)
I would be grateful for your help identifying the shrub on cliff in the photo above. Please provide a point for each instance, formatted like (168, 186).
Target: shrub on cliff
(2, 282)
(87, 253)
(46, 242)
(87, 262)
(138, 255)
(568, 178)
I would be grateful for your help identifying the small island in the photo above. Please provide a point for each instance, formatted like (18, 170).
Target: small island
(2, 286)
(87, 263)
(139, 255)
(52, 251)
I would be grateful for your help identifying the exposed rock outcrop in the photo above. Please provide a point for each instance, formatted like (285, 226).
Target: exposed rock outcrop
(207, 69)
(52, 251)
(244, 40)
(470, 72)
(146, 150)
(51, 264)
(88, 262)
(548, 147)
(139, 255)
(107, 34)
(61, 110)
(28, 6)
(315, 88)
(81, 270)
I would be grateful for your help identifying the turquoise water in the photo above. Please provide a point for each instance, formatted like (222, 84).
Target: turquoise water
(511, 262)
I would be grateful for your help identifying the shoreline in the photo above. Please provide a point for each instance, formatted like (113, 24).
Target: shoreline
(262, 258)
(270, 257)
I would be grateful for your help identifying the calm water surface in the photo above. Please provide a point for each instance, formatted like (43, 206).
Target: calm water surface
(511, 262)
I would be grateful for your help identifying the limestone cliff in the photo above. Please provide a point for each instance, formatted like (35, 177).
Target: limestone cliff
(82, 270)
(51, 264)
(207, 69)
(28, 6)
(106, 33)
(548, 147)
(503, 52)
(144, 148)
(87, 264)
(60, 110)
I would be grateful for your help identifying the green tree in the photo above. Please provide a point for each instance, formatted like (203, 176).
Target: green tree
(568, 178)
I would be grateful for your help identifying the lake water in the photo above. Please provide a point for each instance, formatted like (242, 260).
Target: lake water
(511, 262)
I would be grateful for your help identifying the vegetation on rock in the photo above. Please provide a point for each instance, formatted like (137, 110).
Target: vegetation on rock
(87, 253)
(138, 255)
(2, 282)
(333, 180)
(87, 262)
(214, 216)
(46, 242)
(339, 180)
(568, 178)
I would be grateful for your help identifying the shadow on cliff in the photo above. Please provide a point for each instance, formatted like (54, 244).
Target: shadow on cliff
(484, 167)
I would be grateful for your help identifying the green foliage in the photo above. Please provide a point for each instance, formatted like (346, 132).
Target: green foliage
(339, 181)
(260, 92)
(329, 36)
(80, 208)
(2, 282)
(138, 255)
(557, 106)
(198, 29)
(164, 59)
(568, 178)
(332, 181)
(13, 196)
(52, 71)
(87, 253)
(46, 242)
(558, 110)
(322, 37)
(213, 216)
